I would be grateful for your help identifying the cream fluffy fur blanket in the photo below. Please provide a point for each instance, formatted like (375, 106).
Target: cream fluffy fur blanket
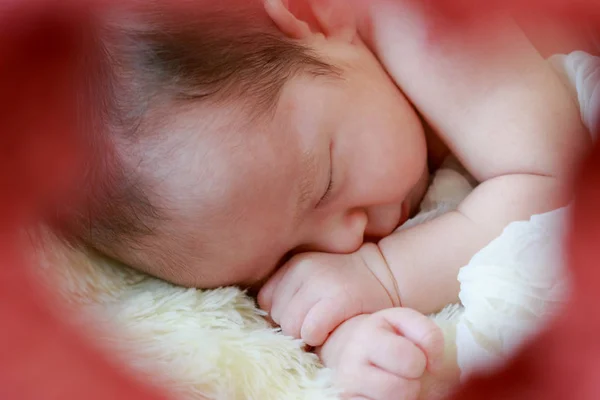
(216, 344)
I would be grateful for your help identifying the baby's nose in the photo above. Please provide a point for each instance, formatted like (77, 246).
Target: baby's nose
(341, 235)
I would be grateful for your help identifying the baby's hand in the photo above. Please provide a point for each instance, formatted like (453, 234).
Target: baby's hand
(384, 355)
(315, 292)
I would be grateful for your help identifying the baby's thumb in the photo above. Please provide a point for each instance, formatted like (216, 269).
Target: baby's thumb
(267, 291)
(420, 330)
(265, 297)
(322, 319)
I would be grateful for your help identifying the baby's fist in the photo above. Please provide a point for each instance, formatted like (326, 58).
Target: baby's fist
(314, 293)
(383, 356)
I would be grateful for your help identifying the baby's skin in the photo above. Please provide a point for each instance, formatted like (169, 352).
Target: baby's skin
(510, 122)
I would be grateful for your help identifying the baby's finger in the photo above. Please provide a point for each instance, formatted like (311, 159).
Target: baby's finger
(377, 384)
(265, 295)
(419, 329)
(397, 355)
(283, 295)
(298, 307)
(322, 319)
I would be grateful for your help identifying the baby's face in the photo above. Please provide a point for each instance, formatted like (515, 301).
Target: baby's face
(340, 161)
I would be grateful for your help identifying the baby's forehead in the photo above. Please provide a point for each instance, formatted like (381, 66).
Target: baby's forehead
(225, 157)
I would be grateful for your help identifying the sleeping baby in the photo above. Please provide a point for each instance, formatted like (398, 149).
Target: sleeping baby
(243, 144)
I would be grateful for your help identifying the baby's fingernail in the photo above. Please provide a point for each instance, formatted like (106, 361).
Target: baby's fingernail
(306, 331)
(308, 334)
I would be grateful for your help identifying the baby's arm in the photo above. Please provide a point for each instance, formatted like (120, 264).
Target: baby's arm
(501, 110)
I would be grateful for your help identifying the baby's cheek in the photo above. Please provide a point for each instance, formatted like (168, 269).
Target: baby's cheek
(255, 284)
(247, 269)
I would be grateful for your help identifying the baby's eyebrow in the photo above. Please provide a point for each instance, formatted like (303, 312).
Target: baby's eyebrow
(306, 183)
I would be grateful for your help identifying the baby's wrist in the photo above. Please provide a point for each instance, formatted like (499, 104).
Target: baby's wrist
(374, 260)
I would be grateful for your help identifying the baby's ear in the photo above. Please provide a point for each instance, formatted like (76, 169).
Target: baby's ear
(288, 23)
(335, 18)
(301, 18)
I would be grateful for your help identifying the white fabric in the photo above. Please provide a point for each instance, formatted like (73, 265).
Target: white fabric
(509, 289)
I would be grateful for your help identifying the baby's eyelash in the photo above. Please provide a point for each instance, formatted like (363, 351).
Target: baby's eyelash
(331, 184)
(329, 189)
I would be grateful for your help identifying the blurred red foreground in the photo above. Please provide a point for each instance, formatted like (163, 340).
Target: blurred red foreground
(42, 359)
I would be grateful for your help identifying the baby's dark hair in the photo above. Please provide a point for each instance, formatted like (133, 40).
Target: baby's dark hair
(222, 52)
